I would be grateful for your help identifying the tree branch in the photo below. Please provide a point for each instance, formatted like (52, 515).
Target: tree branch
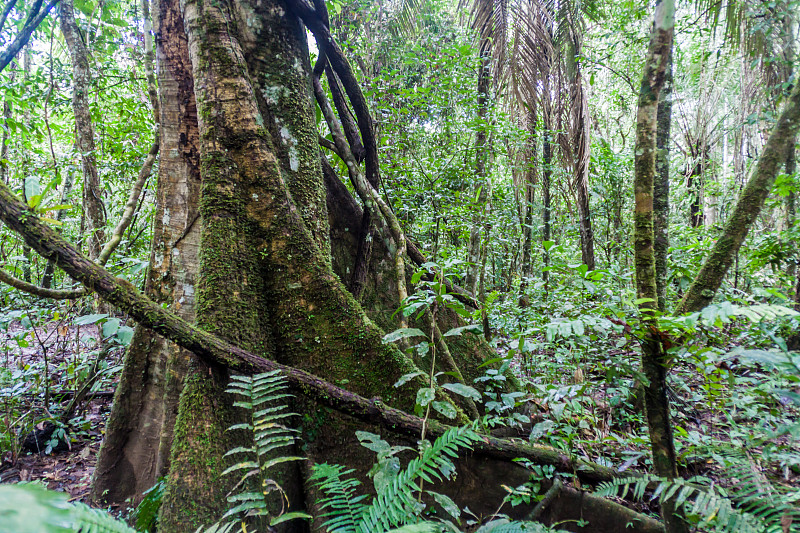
(35, 17)
(108, 249)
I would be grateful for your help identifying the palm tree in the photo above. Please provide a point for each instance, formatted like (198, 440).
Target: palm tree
(536, 46)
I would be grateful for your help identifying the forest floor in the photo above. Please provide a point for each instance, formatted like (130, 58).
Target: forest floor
(69, 466)
(578, 401)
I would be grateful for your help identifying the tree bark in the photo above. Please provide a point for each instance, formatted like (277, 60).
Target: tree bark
(655, 362)
(136, 449)
(482, 180)
(580, 151)
(84, 128)
(547, 173)
(758, 187)
(661, 187)
(529, 185)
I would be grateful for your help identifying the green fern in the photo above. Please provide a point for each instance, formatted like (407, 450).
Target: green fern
(264, 397)
(345, 507)
(396, 499)
(750, 508)
(395, 505)
(32, 508)
(145, 516)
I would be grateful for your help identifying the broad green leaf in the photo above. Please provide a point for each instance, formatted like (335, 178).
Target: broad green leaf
(425, 396)
(85, 320)
(445, 408)
(446, 503)
(110, 327)
(541, 429)
(402, 333)
(406, 378)
(125, 335)
(473, 328)
(463, 390)
(373, 442)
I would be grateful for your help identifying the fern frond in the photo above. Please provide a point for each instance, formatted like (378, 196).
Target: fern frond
(396, 500)
(29, 507)
(758, 514)
(345, 508)
(264, 396)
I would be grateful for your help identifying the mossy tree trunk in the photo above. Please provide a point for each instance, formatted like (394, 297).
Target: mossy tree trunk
(266, 280)
(661, 187)
(654, 358)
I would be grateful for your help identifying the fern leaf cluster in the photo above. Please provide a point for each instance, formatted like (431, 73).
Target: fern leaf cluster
(264, 397)
(396, 504)
(31, 507)
(749, 508)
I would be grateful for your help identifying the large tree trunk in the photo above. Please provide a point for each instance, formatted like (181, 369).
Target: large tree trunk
(138, 438)
(266, 278)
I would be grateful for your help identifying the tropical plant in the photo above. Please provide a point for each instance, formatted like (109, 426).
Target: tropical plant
(753, 504)
(31, 508)
(264, 398)
(398, 499)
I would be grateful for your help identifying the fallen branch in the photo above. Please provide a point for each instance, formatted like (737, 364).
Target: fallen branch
(216, 351)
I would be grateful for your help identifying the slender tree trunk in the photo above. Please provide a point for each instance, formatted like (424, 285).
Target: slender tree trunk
(661, 187)
(654, 359)
(547, 172)
(7, 115)
(529, 185)
(719, 261)
(580, 155)
(26, 250)
(482, 155)
(695, 182)
(136, 448)
(84, 128)
(791, 219)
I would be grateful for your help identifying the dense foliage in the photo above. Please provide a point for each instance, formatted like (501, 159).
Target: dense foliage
(571, 333)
